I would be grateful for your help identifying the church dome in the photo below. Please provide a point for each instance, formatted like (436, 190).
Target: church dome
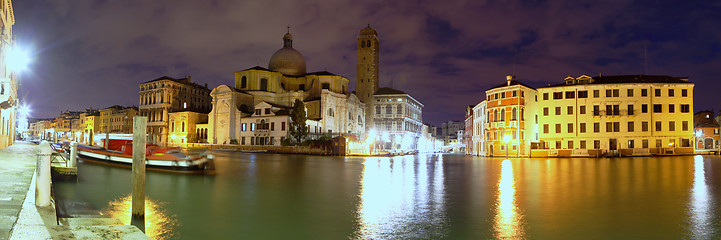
(287, 60)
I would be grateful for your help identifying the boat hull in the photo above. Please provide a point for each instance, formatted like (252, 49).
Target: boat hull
(199, 165)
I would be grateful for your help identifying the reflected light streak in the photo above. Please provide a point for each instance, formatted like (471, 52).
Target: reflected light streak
(700, 215)
(507, 222)
(158, 224)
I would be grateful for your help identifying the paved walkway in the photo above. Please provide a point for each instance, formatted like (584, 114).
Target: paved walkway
(17, 166)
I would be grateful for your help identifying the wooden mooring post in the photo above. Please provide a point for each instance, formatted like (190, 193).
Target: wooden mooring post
(138, 207)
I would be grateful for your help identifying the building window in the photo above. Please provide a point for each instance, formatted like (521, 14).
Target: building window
(582, 110)
(558, 144)
(264, 84)
(671, 108)
(630, 109)
(658, 143)
(242, 140)
(545, 96)
(513, 115)
(272, 126)
(558, 95)
(644, 108)
(630, 126)
(596, 110)
(399, 110)
(583, 94)
(503, 115)
(684, 126)
(267, 111)
(503, 95)
(252, 126)
(582, 127)
(629, 92)
(378, 109)
(515, 93)
(330, 111)
(569, 109)
(570, 144)
(183, 129)
(609, 92)
(596, 93)
(644, 143)
(644, 92)
(325, 86)
(630, 143)
(243, 82)
(670, 93)
(657, 92)
(671, 126)
(558, 111)
(545, 111)
(570, 95)
(596, 127)
(685, 108)
(609, 127)
(644, 126)
(558, 128)
(658, 125)
(684, 93)
(657, 108)
(545, 128)
(596, 144)
(582, 143)
(570, 128)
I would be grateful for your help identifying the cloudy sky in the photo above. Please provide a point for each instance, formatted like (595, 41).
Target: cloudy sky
(444, 53)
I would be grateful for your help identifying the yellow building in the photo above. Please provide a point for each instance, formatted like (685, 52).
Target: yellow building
(117, 119)
(626, 115)
(510, 119)
(183, 126)
(8, 81)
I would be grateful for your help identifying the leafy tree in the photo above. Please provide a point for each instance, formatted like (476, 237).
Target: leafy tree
(298, 129)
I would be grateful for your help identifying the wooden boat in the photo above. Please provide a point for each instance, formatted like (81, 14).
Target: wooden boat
(120, 152)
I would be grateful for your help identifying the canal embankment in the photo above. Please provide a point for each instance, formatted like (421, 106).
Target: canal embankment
(20, 218)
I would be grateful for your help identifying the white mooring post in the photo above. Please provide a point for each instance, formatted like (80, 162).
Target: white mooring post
(73, 154)
(42, 171)
(138, 207)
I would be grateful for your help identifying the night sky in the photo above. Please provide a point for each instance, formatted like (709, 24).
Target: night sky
(444, 53)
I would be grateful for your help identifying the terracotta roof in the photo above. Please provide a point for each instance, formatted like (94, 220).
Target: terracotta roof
(388, 91)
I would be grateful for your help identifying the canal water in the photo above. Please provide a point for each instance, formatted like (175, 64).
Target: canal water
(272, 196)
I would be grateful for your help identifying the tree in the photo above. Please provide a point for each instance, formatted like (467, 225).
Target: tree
(297, 127)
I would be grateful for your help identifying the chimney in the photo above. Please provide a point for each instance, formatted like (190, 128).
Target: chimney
(510, 78)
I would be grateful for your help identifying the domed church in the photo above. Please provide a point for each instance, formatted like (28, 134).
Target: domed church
(255, 110)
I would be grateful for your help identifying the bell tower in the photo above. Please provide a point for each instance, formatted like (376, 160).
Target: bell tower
(367, 71)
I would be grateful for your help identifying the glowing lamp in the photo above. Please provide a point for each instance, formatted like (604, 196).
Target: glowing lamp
(506, 139)
(17, 59)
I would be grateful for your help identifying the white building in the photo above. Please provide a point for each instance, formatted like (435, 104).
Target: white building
(479, 132)
(397, 120)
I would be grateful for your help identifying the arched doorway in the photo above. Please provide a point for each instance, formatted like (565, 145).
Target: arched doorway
(708, 143)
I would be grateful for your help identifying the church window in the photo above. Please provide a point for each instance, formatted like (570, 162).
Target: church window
(369, 43)
(330, 112)
(363, 44)
(326, 85)
(264, 84)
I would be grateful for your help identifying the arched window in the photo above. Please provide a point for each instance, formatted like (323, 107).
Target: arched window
(389, 109)
(330, 112)
(495, 115)
(360, 120)
(264, 84)
(326, 85)
(513, 114)
(522, 114)
(183, 129)
(369, 43)
(399, 109)
(503, 114)
(350, 116)
(172, 126)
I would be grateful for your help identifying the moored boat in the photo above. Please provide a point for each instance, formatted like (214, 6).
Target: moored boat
(120, 152)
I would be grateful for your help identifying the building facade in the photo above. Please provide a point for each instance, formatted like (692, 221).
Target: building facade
(510, 119)
(398, 120)
(164, 95)
(468, 131)
(117, 119)
(183, 127)
(8, 80)
(706, 130)
(479, 131)
(626, 115)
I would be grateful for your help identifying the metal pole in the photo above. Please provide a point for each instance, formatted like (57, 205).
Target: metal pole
(42, 171)
(138, 207)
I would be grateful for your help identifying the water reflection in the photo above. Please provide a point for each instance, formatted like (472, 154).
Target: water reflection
(158, 224)
(700, 214)
(507, 222)
(402, 198)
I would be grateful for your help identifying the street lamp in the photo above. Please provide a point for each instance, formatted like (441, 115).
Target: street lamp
(506, 139)
(17, 59)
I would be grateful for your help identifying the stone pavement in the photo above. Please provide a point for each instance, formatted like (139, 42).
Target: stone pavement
(17, 167)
